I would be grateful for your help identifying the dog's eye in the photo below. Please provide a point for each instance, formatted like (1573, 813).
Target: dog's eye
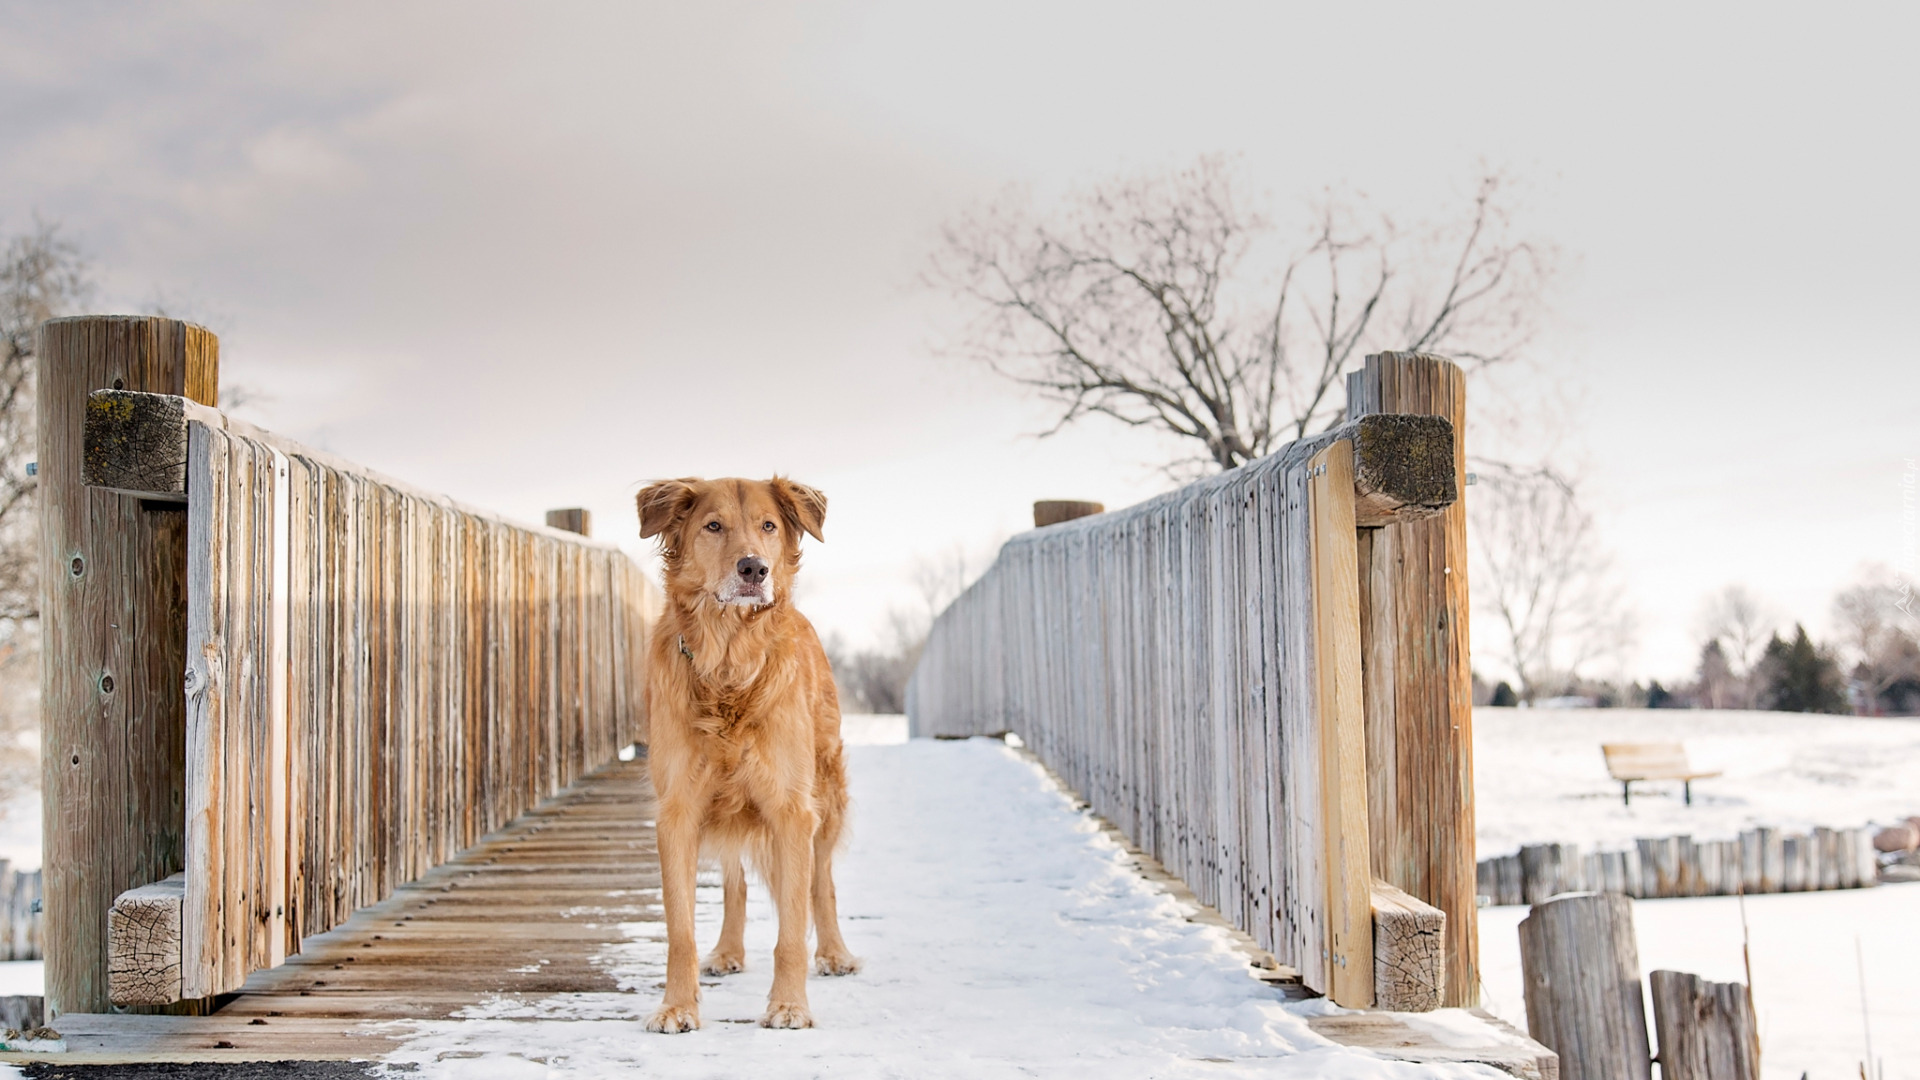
(766, 526)
(713, 526)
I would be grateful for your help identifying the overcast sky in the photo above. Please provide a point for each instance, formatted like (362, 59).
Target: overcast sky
(534, 255)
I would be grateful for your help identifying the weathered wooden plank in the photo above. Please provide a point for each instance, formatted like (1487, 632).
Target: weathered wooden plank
(278, 658)
(202, 929)
(1304, 886)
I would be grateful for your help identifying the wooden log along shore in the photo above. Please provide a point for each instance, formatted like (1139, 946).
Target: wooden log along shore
(1758, 861)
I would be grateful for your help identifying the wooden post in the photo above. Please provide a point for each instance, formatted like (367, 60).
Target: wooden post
(1706, 1029)
(1581, 971)
(1054, 511)
(573, 519)
(1419, 684)
(113, 590)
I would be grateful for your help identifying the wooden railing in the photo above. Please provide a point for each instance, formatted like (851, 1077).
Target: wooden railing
(1194, 667)
(374, 677)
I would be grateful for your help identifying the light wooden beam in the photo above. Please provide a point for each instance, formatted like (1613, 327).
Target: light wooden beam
(1409, 951)
(143, 943)
(136, 444)
(1341, 724)
(1403, 468)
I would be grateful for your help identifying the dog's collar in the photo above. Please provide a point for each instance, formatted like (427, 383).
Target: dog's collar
(684, 651)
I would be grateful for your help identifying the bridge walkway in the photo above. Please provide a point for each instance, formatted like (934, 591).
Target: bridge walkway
(528, 913)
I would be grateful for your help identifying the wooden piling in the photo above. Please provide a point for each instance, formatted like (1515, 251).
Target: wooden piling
(1419, 699)
(112, 586)
(1581, 970)
(1706, 1029)
(571, 519)
(1054, 511)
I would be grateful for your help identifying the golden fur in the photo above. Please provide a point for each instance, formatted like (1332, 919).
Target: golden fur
(745, 747)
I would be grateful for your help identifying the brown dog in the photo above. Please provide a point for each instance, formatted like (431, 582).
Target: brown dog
(745, 747)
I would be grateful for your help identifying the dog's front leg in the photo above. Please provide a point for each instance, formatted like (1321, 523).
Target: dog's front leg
(791, 880)
(678, 837)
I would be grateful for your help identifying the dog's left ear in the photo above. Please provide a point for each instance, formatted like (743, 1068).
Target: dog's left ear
(802, 506)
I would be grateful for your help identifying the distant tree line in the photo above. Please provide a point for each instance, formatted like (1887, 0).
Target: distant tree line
(1748, 661)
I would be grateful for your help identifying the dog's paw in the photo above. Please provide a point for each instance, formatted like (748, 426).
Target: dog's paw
(674, 1019)
(835, 963)
(787, 1015)
(719, 963)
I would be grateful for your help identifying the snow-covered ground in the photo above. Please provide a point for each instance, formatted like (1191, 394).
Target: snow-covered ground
(20, 830)
(1539, 776)
(1003, 936)
(22, 977)
(1806, 980)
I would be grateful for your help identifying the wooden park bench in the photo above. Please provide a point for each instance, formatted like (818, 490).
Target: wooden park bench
(1628, 762)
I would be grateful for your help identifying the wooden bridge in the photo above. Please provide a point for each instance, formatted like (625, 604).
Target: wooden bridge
(321, 750)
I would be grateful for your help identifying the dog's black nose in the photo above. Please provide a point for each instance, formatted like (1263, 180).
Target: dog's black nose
(753, 569)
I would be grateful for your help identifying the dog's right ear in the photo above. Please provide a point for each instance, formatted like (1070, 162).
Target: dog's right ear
(664, 504)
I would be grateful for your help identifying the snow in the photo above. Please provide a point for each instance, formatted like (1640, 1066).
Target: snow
(20, 830)
(1539, 776)
(1806, 982)
(1003, 935)
(19, 977)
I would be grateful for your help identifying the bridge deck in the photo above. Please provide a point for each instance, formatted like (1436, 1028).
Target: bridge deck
(1022, 939)
(523, 914)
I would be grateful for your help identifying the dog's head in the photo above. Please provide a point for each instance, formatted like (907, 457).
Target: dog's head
(731, 543)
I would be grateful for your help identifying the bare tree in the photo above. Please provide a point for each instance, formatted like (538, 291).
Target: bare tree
(1879, 640)
(1159, 302)
(1741, 621)
(1543, 577)
(875, 680)
(42, 275)
(1717, 686)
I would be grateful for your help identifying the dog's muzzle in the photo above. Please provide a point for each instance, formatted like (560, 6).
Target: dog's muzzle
(751, 584)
